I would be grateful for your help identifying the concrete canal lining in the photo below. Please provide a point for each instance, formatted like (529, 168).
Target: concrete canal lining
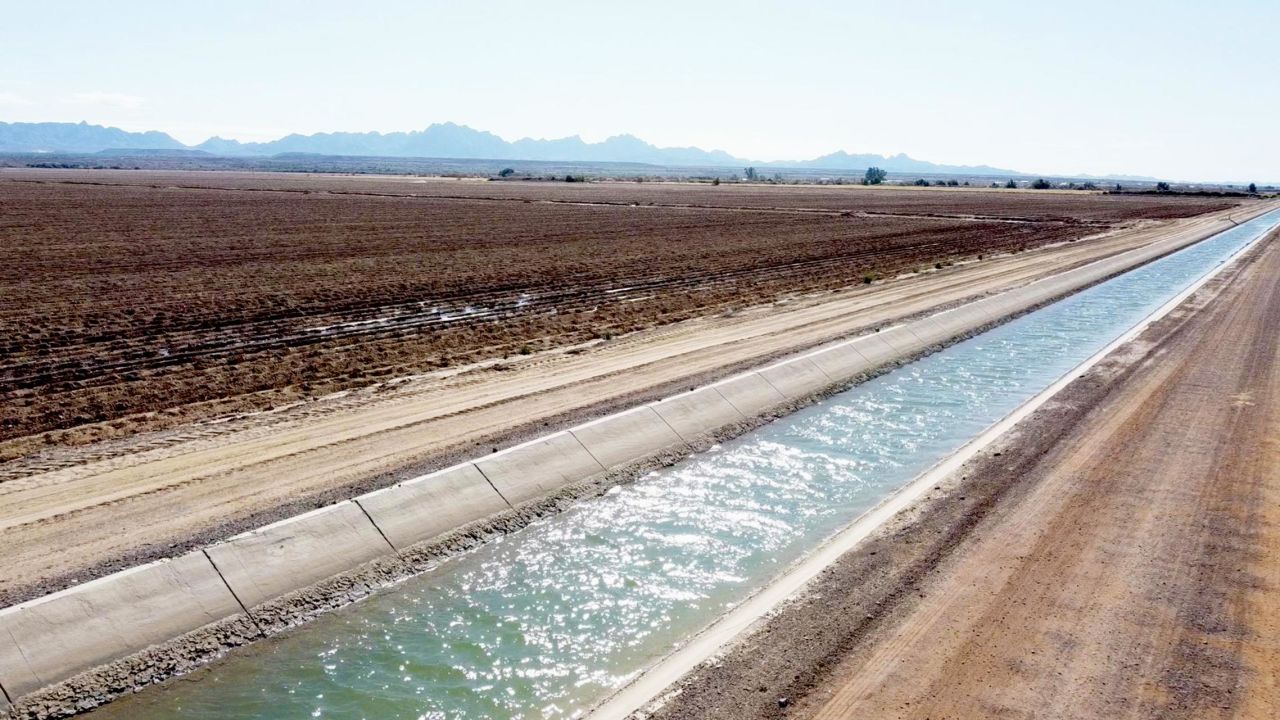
(264, 564)
(431, 505)
(60, 635)
(691, 413)
(537, 468)
(628, 436)
(749, 394)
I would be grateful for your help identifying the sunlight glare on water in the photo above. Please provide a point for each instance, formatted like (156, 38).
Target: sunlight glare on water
(545, 621)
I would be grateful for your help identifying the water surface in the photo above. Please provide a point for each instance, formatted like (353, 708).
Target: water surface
(545, 621)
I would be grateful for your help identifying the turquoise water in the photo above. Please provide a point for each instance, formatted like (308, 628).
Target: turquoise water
(545, 621)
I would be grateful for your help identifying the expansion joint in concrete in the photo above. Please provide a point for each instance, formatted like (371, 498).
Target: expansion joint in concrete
(232, 590)
(584, 447)
(669, 426)
(775, 387)
(495, 487)
(825, 374)
(727, 400)
(374, 524)
(914, 334)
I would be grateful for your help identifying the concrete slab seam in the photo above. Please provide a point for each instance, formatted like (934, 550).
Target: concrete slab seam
(584, 447)
(741, 378)
(22, 653)
(5, 695)
(884, 333)
(985, 310)
(735, 407)
(825, 374)
(356, 500)
(853, 345)
(252, 619)
(908, 327)
(669, 425)
(588, 452)
(495, 487)
(766, 382)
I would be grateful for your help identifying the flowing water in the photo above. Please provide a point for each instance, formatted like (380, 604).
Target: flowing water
(542, 623)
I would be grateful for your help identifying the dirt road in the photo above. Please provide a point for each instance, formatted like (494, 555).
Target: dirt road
(112, 505)
(1116, 557)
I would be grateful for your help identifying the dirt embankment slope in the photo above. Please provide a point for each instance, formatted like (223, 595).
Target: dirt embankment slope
(108, 507)
(1116, 556)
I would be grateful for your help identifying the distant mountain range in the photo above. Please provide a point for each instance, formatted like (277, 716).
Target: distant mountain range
(81, 137)
(443, 140)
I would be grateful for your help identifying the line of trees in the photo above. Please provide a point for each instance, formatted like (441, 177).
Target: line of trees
(877, 176)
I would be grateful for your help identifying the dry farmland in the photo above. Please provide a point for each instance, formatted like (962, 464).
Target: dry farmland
(135, 300)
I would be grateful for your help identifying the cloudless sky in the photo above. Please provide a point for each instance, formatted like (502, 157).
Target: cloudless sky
(1180, 89)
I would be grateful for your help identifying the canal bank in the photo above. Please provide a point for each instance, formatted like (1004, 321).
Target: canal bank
(1114, 556)
(259, 565)
(748, 627)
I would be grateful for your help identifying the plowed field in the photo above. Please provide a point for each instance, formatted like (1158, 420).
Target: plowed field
(134, 300)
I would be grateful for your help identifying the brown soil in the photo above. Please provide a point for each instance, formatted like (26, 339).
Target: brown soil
(110, 504)
(1115, 556)
(140, 300)
(1067, 206)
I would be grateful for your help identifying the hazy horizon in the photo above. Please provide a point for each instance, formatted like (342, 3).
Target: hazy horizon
(1173, 89)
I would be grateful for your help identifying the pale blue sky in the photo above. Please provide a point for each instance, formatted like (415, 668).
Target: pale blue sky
(1183, 90)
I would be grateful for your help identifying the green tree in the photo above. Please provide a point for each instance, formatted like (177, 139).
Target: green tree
(1162, 186)
(750, 173)
(506, 172)
(922, 182)
(1040, 184)
(874, 176)
(1253, 189)
(1011, 185)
